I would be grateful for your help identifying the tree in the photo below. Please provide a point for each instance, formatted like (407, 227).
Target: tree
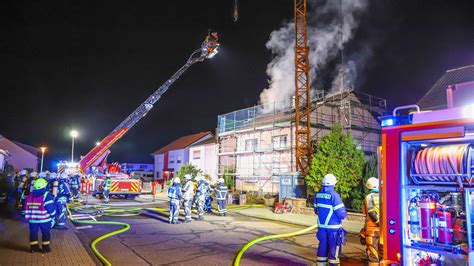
(337, 153)
(188, 169)
(371, 170)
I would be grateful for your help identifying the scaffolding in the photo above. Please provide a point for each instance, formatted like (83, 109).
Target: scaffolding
(258, 144)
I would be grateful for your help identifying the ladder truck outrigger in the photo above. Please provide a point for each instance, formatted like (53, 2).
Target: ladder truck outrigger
(121, 183)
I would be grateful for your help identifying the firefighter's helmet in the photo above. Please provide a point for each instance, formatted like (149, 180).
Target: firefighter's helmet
(372, 183)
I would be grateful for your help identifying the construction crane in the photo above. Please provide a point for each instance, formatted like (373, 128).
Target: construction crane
(208, 49)
(304, 149)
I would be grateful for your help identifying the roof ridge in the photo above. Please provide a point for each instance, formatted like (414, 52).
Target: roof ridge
(459, 68)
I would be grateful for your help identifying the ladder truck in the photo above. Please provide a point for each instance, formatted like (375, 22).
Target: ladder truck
(121, 183)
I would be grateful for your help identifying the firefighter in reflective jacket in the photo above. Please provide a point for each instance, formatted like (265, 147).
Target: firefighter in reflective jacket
(370, 234)
(188, 195)
(174, 194)
(201, 191)
(331, 211)
(106, 188)
(61, 200)
(75, 187)
(221, 196)
(39, 212)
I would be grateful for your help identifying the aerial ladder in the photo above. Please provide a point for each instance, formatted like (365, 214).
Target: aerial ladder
(208, 49)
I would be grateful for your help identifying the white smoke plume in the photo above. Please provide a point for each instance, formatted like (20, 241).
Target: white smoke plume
(324, 40)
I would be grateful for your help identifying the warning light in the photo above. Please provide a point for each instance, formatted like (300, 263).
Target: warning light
(388, 122)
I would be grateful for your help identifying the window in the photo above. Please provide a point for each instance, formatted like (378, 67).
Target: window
(180, 158)
(196, 155)
(250, 144)
(171, 159)
(279, 141)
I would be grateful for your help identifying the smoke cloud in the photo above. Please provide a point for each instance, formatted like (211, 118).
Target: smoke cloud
(325, 44)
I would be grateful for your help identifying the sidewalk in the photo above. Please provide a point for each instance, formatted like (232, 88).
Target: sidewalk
(351, 224)
(66, 247)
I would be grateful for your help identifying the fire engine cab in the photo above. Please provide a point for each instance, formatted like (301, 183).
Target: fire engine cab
(427, 186)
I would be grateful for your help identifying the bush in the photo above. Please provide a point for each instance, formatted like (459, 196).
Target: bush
(188, 169)
(337, 153)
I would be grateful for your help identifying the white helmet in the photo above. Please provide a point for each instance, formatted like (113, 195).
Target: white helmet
(34, 174)
(63, 175)
(372, 183)
(53, 175)
(198, 178)
(176, 180)
(188, 176)
(23, 172)
(42, 175)
(329, 180)
(220, 180)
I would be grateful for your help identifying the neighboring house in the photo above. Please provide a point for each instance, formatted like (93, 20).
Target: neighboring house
(203, 155)
(4, 155)
(21, 155)
(455, 88)
(148, 167)
(257, 144)
(168, 159)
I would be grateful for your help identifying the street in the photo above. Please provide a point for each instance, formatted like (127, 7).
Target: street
(151, 240)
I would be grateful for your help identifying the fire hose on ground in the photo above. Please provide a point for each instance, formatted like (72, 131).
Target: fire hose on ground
(111, 212)
(260, 239)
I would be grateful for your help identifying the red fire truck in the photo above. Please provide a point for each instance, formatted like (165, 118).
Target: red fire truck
(427, 173)
(121, 184)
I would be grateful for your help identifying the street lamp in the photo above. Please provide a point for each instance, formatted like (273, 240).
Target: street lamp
(74, 134)
(97, 143)
(43, 149)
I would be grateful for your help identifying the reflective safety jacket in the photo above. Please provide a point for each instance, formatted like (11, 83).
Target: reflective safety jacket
(63, 191)
(107, 183)
(188, 190)
(39, 206)
(201, 189)
(221, 192)
(174, 192)
(75, 182)
(372, 212)
(329, 207)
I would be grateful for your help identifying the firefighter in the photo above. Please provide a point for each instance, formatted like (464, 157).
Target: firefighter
(75, 187)
(221, 196)
(106, 188)
(62, 198)
(208, 201)
(23, 177)
(370, 234)
(331, 211)
(175, 195)
(188, 195)
(27, 188)
(201, 192)
(40, 212)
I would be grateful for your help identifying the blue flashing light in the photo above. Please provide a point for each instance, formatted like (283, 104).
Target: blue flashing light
(396, 120)
(388, 122)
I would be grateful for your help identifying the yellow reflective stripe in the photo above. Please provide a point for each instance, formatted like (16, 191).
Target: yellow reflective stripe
(46, 243)
(34, 243)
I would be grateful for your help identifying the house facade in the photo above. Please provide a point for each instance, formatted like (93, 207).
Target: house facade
(4, 155)
(22, 156)
(168, 159)
(257, 145)
(203, 155)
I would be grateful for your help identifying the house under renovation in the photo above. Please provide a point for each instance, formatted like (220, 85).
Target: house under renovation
(257, 144)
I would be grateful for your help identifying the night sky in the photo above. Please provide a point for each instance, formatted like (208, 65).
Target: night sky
(88, 64)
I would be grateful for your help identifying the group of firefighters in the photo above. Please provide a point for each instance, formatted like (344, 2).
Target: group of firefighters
(198, 193)
(42, 199)
(331, 211)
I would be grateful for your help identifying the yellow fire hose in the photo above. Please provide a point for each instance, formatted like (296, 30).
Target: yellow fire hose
(260, 239)
(94, 243)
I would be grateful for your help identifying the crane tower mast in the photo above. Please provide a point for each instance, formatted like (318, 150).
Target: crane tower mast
(304, 149)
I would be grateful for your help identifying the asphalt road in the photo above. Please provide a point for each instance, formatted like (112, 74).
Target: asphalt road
(214, 241)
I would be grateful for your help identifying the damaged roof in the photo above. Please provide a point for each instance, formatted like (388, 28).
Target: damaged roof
(184, 142)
